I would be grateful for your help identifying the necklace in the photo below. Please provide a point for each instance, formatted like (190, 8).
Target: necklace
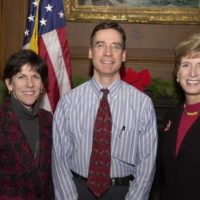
(191, 113)
(36, 150)
(37, 143)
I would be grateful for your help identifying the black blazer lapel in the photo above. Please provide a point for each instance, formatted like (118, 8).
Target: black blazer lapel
(171, 135)
(192, 136)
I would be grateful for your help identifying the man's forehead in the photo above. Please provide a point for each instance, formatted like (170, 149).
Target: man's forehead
(108, 35)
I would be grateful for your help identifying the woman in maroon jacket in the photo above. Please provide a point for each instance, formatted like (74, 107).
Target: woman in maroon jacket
(25, 131)
(180, 140)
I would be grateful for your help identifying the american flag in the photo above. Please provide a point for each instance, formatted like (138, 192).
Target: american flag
(45, 33)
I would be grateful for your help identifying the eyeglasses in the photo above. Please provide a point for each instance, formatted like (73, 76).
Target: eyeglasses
(101, 46)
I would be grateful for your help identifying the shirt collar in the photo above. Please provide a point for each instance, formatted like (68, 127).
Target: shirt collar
(113, 88)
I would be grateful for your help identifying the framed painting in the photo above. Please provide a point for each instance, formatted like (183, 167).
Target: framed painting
(135, 11)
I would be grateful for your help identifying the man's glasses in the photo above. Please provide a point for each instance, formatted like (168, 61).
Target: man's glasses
(101, 46)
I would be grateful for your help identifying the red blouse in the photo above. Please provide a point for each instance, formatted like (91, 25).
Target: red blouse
(186, 122)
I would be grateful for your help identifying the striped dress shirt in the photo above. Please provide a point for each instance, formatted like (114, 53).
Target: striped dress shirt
(134, 137)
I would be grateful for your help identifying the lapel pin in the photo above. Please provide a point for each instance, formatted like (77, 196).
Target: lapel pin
(168, 125)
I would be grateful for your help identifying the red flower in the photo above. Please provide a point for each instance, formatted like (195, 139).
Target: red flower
(137, 79)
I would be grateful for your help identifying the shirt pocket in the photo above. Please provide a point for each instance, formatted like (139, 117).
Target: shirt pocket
(124, 142)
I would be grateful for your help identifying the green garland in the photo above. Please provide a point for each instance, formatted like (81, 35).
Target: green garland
(163, 89)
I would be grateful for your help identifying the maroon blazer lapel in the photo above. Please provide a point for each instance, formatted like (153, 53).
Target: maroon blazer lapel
(45, 138)
(15, 137)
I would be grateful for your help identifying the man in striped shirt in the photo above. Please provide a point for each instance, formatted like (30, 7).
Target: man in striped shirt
(134, 131)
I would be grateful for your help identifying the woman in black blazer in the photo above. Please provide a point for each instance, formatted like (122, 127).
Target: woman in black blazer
(180, 140)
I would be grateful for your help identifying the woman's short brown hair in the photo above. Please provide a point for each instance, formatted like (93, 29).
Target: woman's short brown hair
(22, 57)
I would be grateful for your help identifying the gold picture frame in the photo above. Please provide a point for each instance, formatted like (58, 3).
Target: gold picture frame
(166, 15)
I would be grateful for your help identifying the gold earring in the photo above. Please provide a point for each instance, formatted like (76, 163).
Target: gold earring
(177, 80)
(9, 92)
(41, 91)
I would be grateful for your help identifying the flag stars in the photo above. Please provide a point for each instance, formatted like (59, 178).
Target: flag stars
(31, 18)
(61, 14)
(43, 22)
(35, 3)
(26, 33)
(49, 8)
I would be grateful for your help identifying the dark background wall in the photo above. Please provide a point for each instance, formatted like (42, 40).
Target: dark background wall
(149, 46)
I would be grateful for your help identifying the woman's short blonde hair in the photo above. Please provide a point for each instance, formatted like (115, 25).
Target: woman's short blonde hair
(189, 48)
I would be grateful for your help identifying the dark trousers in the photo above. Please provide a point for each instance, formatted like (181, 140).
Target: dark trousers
(114, 193)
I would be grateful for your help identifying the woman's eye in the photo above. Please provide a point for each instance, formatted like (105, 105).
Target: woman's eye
(36, 77)
(185, 65)
(20, 77)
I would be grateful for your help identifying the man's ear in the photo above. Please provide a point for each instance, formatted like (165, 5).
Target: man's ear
(124, 56)
(90, 53)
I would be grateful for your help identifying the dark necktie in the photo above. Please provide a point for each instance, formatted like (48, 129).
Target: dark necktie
(99, 169)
